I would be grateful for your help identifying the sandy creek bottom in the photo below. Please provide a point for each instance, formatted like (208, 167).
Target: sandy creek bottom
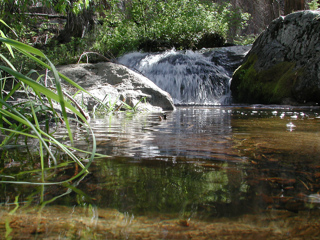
(57, 222)
(238, 172)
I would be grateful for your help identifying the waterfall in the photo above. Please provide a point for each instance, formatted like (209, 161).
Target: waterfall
(190, 77)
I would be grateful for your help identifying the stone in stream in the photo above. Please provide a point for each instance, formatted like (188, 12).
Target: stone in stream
(283, 66)
(114, 83)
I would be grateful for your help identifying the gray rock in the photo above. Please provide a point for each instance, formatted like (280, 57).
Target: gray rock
(284, 63)
(113, 83)
(230, 58)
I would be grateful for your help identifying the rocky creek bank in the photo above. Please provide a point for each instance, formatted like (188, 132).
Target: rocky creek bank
(119, 87)
(115, 84)
(283, 66)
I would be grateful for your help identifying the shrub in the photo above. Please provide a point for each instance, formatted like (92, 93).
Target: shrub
(175, 23)
(314, 5)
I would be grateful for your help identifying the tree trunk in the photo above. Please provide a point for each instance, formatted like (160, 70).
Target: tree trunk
(77, 25)
(293, 5)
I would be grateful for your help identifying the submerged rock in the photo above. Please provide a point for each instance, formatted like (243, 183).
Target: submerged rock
(283, 64)
(114, 84)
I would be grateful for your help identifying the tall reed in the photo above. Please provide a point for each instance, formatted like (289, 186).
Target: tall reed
(30, 119)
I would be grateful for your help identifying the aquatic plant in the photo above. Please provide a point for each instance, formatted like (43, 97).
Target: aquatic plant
(135, 107)
(27, 119)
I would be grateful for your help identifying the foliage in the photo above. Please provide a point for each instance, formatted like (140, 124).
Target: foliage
(126, 25)
(314, 5)
(30, 118)
(176, 23)
(235, 19)
(245, 40)
(67, 53)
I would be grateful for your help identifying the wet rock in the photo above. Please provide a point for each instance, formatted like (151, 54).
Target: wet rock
(230, 58)
(113, 83)
(283, 64)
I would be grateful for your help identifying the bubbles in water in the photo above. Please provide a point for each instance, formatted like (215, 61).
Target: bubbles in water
(290, 126)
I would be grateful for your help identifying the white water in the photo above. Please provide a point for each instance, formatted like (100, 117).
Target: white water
(190, 77)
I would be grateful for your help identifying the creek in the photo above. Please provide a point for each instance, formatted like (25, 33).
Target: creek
(203, 172)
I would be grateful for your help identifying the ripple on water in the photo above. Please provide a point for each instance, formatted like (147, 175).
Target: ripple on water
(205, 173)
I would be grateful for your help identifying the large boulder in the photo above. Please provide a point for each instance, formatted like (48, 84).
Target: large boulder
(283, 65)
(115, 84)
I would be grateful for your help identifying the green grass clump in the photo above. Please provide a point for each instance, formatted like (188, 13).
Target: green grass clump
(22, 121)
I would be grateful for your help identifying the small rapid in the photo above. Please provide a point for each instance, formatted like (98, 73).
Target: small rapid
(190, 77)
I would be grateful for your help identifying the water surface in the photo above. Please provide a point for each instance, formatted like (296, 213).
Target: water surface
(236, 172)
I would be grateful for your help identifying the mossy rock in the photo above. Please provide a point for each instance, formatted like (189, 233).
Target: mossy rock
(269, 86)
(283, 63)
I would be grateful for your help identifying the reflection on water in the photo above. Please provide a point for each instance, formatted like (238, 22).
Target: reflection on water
(203, 173)
(187, 132)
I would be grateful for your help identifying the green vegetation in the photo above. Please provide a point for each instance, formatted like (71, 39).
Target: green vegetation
(69, 28)
(21, 122)
(144, 24)
(314, 5)
(267, 86)
(32, 111)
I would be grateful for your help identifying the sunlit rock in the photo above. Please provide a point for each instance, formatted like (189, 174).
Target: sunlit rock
(113, 84)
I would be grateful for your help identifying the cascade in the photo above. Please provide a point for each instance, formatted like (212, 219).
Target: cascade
(190, 77)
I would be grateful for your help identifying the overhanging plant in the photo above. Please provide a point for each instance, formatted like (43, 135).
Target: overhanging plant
(29, 119)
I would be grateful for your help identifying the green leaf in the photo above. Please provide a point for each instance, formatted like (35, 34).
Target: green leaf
(7, 61)
(42, 89)
(7, 45)
(22, 46)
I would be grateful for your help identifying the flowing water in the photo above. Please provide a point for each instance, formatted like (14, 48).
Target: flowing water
(210, 172)
(191, 78)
